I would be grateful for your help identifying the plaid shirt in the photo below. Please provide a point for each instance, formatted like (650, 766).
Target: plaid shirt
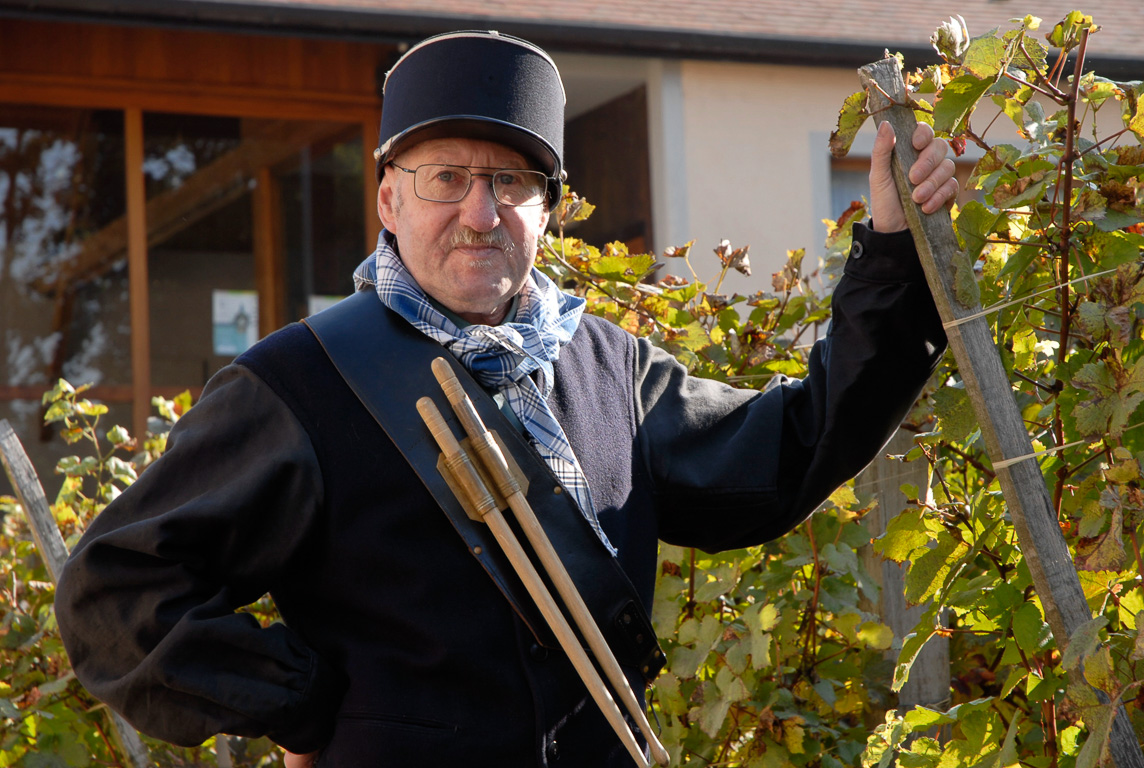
(502, 357)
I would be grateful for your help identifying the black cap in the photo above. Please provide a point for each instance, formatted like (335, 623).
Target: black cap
(481, 85)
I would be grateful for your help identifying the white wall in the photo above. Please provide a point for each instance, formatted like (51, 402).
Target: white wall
(757, 161)
(738, 151)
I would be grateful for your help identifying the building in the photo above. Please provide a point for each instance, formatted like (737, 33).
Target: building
(180, 177)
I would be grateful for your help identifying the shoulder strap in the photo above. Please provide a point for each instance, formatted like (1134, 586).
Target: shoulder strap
(363, 339)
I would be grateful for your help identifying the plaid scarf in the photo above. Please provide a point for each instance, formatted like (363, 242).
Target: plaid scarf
(502, 357)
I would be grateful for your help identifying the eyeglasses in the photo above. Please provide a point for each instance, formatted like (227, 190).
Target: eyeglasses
(450, 183)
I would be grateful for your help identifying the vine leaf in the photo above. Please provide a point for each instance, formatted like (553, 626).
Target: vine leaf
(958, 99)
(1066, 34)
(955, 416)
(905, 535)
(930, 570)
(965, 288)
(1029, 629)
(1083, 642)
(1105, 552)
(850, 118)
(985, 55)
(975, 224)
(1099, 721)
(1115, 394)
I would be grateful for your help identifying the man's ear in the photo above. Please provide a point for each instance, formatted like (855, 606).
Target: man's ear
(386, 207)
(545, 215)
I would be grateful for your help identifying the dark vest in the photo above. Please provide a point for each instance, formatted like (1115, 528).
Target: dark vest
(441, 669)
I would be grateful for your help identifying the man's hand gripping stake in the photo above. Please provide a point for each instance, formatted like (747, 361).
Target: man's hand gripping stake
(491, 458)
(987, 384)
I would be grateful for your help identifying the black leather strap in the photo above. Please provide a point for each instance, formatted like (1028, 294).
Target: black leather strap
(386, 362)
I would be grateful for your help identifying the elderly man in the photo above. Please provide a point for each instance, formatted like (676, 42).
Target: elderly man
(302, 471)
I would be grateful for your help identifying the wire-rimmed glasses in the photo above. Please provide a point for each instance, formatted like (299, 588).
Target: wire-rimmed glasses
(450, 183)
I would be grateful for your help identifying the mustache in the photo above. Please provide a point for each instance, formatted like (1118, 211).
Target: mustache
(497, 238)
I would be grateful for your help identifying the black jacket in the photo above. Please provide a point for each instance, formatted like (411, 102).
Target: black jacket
(397, 649)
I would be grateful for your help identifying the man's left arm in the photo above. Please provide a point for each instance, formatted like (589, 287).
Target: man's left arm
(733, 468)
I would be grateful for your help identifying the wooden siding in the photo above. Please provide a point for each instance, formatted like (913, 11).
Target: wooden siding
(141, 69)
(96, 65)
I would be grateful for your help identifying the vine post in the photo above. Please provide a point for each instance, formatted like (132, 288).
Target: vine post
(949, 272)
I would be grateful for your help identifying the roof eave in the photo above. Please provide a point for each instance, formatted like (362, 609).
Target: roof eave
(381, 26)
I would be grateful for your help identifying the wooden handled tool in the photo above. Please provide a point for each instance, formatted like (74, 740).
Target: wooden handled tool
(489, 454)
(466, 475)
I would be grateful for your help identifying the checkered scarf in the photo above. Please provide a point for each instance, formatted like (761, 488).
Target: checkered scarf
(502, 357)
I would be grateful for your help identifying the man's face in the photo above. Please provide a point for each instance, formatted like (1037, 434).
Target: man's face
(474, 255)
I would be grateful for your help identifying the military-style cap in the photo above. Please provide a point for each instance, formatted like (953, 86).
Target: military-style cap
(481, 85)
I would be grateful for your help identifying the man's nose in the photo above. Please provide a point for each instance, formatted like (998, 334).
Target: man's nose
(479, 207)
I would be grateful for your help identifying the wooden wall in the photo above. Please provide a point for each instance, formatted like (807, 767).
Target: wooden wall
(140, 69)
(98, 65)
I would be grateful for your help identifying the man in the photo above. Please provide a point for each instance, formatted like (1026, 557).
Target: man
(397, 647)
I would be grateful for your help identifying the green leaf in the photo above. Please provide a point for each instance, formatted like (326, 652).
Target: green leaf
(88, 408)
(1096, 745)
(976, 224)
(1135, 120)
(730, 685)
(60, 390)
(701, 635)
(1016, 675)
(954, 412)
(994, 163)
(1009, 756)
(668, 695)
(930, 570)
(1100, 672)
(1025, 349)
(117, 435)
(8, 709)
(1083, 642)
(905, 535)
(1067, 32)
(712, 713)
(922, 718)
(58, 411)
(1029, 629)
(912, 645)
(1114, 395)
(794, 736)
(957, 102)
(1106, 551)
(55, 686)
(850, 119)
(877, 636)
(1138, 647)
(715, 583)
(839, 559)
(985, 56)
(738, 656)
(1096, 90)
(1038, 54)
(924, 753)
(844, 497)
(965, 288)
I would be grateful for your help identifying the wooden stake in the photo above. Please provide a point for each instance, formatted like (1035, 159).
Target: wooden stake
(1030, 507)
(480, 498)
(489, 454)
(50, 544)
